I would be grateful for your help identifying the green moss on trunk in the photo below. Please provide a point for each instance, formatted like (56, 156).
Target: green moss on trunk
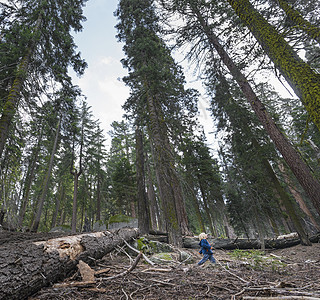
(301, 77)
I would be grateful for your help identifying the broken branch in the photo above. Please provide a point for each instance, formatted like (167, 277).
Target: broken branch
(137, 251)
(126, 271)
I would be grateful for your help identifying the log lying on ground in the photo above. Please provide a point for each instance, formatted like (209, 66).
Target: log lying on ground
(157, 238)
(231, 244)
(27, 267)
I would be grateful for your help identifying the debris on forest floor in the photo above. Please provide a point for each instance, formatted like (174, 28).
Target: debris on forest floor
(280, 274)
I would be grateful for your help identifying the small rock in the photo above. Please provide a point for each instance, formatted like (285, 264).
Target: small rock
(162, 258)
(186, 257)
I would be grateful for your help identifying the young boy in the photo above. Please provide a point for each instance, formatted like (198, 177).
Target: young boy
(205, 249)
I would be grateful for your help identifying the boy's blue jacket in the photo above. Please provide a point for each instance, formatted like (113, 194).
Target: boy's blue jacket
(205, 247)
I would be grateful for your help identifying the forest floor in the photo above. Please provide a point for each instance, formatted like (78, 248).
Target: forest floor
(291, 273)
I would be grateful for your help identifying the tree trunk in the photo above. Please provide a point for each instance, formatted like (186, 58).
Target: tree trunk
(39, 264)
(143, 205)
(311, 30)
(227, 226)
(153, 204)
(45, 185)
(221, 207)
(240, 218)
(284, 198)
(98, 217)
(76, 176)
(10, 106)
(180, 203)
(297, 165)
(301, 77)
(195, 202)
(163, 163)
(272, 221)
(57, 206)
(63, 216)
(206, 206)
(259, 223)
(133, 208)
(298, 197)
(28, 181)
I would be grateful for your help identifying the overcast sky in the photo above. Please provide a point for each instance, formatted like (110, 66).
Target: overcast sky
(101, 50)
(99, 47)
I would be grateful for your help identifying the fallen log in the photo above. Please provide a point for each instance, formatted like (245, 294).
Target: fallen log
(229, 244)
(157, 238)
(158, 232)
(239, 243)
(29, 266)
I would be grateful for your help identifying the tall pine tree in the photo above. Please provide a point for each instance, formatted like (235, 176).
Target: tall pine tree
(157, 94)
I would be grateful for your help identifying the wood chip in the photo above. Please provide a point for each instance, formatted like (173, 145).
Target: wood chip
(87, 274)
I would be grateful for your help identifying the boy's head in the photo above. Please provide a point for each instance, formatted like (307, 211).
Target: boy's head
(202, 236)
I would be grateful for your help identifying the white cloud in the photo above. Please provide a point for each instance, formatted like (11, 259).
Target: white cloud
(105, 93)
(109, 61)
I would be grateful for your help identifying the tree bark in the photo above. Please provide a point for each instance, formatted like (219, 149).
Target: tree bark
(143, 205)
(46, 181)
(59, 197)
(284, 198)
(301, 77)
(206, 206)
(195, 202)
(10, 106)
(311, 30)
(38, 264)
(298, 197)
(153, 204)
(98, 216)
(163, 167)
(28, 181)
(76, 176)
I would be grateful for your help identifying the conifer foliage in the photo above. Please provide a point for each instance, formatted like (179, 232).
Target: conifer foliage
(257, 177)
(38, 40)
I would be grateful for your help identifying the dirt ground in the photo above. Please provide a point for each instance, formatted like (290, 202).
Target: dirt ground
(291, 273)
